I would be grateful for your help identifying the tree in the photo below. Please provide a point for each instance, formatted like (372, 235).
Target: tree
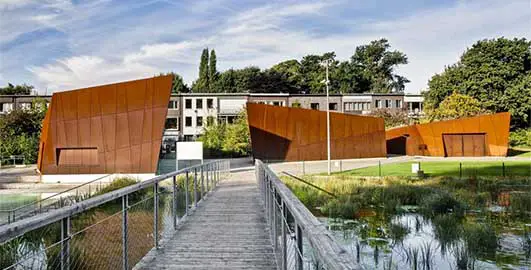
(20, 131)
(491, 71)
(392, 118)
(291, 71)
(237, 137)
(212, 138)
(202, 83)
(11, 89)
(178, 85)
(376, 65)
(213, 73)
(456, 106)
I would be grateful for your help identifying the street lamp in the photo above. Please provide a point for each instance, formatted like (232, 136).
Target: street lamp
(327, 63)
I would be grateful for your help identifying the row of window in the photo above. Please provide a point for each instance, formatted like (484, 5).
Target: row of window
(388, 103)
(357, 106)
(174, 123)
(199, 103)
(9, 106)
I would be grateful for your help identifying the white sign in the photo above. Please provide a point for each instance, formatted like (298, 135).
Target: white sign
(415, 167)
(189, 150)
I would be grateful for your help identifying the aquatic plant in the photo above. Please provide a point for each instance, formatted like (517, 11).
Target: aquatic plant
(447, 229)
(412, 257)
(480, 239)
(426, 251)
(397, 232)
(441, 203)
(520, 203)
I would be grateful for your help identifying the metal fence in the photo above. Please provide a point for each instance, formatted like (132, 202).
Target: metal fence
(110, 231)
(299, 239)
(64, 198)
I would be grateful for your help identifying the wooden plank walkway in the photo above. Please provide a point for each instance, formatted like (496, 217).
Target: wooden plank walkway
(227, 231)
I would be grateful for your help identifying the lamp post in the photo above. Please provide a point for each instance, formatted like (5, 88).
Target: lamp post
(326, 63)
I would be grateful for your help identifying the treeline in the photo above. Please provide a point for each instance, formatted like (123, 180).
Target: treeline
(370, 69)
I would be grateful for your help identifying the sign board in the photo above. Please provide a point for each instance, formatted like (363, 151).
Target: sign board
(189, 151)
(415, 167)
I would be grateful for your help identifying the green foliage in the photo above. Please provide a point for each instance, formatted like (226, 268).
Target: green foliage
(178, 85)
(520, 137)
(456, 106)
(496, 72)
(480, 239)
(11, 89)
(441, 203)
(227, 139)
(20, 131)
(202, 84)
(122, 182)
(392, 118)
(212, 70)
(521, 203)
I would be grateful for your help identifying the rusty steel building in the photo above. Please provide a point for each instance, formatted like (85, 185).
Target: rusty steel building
(294, 134)
(485, 135)
(114, 128)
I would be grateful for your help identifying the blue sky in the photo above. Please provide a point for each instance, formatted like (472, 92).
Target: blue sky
(61, 45)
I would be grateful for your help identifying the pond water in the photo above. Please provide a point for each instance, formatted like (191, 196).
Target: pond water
(11, 201)
(412, 241)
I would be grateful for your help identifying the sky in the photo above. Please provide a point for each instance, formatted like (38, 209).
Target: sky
(61, 45)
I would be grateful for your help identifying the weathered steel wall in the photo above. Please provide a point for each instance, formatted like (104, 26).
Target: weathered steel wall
(427, 139)
(292, 134)
(122, 122)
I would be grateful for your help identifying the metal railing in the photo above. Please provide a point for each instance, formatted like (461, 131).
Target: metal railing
(300, 240)
(58, 200)
(113, 230)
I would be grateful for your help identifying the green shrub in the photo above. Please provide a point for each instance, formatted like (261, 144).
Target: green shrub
(480, 239)
(122, 182)
(520, 202)
(441, 203)
(520, 137)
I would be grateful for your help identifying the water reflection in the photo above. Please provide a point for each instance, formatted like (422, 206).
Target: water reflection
(413, 241)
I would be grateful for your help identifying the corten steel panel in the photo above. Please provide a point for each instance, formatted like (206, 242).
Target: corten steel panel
(124, 122)
(494, 128)
(291, 134)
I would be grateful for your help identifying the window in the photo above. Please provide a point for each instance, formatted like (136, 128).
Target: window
(378, 103)
(276, 103)
(332, 106)
(25, 105)
(314, 106)
(398, 103)
(171, 123)
(199, 121)
(82, 156)
(188, 104)
(188, 121)
(388, 103)
(199, 103)
(173, 104)
(6, 107)
(348, 106)
(368, 105)
(296, 104)
(210, 103)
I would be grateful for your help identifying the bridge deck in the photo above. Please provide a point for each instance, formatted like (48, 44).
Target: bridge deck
(227, 231)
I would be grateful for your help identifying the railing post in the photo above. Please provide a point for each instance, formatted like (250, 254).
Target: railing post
(275, 233)
(298, 239)
(207, 179)
(202, 183)
(125, 206)
(195, 187)
(187, 195)
(284, 220)
(174, 202)
(65, 243)
(156, 215)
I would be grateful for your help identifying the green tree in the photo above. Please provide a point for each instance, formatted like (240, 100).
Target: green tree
(212, 70)
(455, 106)
(493, 71)
(291, 71)
(20, 131)
(11, 89)
(202, 83)
(237, 137)
(376, 64)
(226, 82)
(178, 85)
(212, 138)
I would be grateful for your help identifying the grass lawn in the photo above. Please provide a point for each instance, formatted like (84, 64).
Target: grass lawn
(448, 168)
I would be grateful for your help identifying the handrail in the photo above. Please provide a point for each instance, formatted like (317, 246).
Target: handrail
(20, 227)
(53, 196)
(280, 203)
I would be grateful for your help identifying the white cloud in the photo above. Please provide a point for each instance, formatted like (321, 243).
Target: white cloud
(83, 71)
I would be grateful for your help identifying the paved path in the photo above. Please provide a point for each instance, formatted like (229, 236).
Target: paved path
(227, 231)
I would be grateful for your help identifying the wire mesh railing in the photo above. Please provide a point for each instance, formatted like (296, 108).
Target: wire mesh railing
(109, 231)
(299, 240)
(61, 199)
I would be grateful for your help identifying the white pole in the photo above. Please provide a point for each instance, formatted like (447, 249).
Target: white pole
(328, 120)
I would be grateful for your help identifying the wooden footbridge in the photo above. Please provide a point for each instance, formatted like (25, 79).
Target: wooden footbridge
(202, 217)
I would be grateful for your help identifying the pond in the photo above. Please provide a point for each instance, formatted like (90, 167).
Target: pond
(409, 240)
(12, 201)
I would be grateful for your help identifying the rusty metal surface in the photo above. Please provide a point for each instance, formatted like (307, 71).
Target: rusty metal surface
(292, 134)
(473, 136)
(123, 121)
